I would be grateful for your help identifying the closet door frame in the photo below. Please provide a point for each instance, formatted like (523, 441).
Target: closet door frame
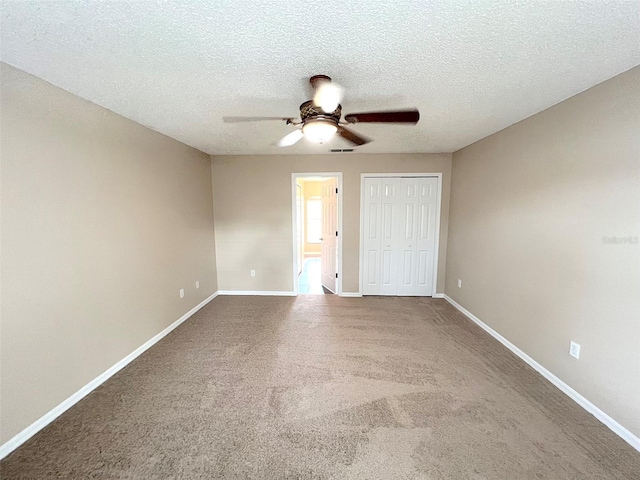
(437, 233)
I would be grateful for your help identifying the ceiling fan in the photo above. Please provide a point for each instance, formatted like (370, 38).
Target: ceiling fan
(320, 118)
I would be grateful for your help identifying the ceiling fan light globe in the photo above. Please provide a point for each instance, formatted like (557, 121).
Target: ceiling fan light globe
(319, 131)
(328, 96)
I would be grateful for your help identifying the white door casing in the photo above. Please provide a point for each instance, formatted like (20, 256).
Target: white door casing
(399, 235)
(299, 231)
(329, 228)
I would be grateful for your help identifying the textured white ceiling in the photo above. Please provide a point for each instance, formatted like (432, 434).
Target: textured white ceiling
(472, 68)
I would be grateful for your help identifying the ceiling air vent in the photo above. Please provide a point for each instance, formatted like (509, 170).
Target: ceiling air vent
(341, 150)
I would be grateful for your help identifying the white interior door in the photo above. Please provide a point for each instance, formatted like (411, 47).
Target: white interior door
(381, 210)
(399, 235)
(372, 236)
(389, 218)
(407, 236)
(426, 236)
(329, 240)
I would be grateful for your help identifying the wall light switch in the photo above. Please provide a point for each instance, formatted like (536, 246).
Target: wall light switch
(197, 284)
(182, 293)
(459, 283)
(574, 350)
(253, 273)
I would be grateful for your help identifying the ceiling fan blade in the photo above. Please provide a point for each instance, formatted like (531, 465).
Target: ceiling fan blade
(400, 116)
(253, 119)
(291, 138)
(352, 136)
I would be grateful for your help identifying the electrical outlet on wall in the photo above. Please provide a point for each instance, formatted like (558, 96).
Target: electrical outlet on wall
(197, 284)
(574, 350)
(182, 293)
(459, 283)
(253, 273)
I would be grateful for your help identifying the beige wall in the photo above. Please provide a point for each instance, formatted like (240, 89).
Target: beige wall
(253, 212)
(102, 222)
(530, 206)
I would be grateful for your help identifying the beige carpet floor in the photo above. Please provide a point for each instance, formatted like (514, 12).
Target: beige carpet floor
(326, 387)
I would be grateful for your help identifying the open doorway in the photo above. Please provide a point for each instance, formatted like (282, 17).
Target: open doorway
(317, 221)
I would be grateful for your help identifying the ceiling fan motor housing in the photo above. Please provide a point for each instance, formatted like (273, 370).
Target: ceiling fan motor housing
(310, 111)
(317, 80)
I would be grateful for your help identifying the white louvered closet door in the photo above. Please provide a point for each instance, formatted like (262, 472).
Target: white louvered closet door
(399, 235)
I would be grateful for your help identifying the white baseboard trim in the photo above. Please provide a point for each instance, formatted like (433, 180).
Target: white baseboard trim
(50, 416)
(618, 429)
(358, 294)
(257, 292)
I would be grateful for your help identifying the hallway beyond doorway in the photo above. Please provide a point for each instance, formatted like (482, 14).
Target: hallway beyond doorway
(309, 280)
(317, 222)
